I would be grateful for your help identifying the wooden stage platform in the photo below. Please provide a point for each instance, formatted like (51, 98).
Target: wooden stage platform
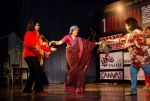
(94, 92)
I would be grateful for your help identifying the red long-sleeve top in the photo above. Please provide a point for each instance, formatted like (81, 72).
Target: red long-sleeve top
(31, 39)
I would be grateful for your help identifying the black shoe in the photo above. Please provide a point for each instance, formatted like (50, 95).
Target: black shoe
(131, 93)
(27, 91)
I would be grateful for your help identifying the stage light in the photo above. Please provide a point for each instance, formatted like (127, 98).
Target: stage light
(119, 8)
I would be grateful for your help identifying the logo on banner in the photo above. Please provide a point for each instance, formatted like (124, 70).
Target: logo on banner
(106, 60)
(127, 61)
(127, 58)
(118, 75)
(113, 61)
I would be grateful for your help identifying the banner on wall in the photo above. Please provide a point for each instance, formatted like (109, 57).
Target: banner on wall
(114, 61)
(114, 46)
(140, 75)
(127, 58)
(111, 75)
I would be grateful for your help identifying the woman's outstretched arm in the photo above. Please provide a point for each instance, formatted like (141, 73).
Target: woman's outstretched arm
(55, 42)
(98, 43)
(60, 42)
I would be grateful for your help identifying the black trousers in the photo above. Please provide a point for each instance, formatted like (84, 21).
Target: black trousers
(44, 76)
(35, 71)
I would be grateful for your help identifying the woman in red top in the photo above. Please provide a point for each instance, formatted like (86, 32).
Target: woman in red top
(31, 56)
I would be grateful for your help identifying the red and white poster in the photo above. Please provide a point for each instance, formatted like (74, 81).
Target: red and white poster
(113, 61)
(114, 46)
(111, 75)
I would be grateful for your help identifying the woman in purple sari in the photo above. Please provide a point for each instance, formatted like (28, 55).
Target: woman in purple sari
(78, 54)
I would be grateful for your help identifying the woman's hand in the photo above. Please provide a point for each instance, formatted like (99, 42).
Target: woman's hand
(52, 43)
(98, 43)
(53, 49)
(37, 48)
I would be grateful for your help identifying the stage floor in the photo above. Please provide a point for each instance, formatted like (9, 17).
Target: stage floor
(94, 92)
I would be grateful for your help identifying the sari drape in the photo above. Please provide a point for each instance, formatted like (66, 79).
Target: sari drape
(78, 57)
